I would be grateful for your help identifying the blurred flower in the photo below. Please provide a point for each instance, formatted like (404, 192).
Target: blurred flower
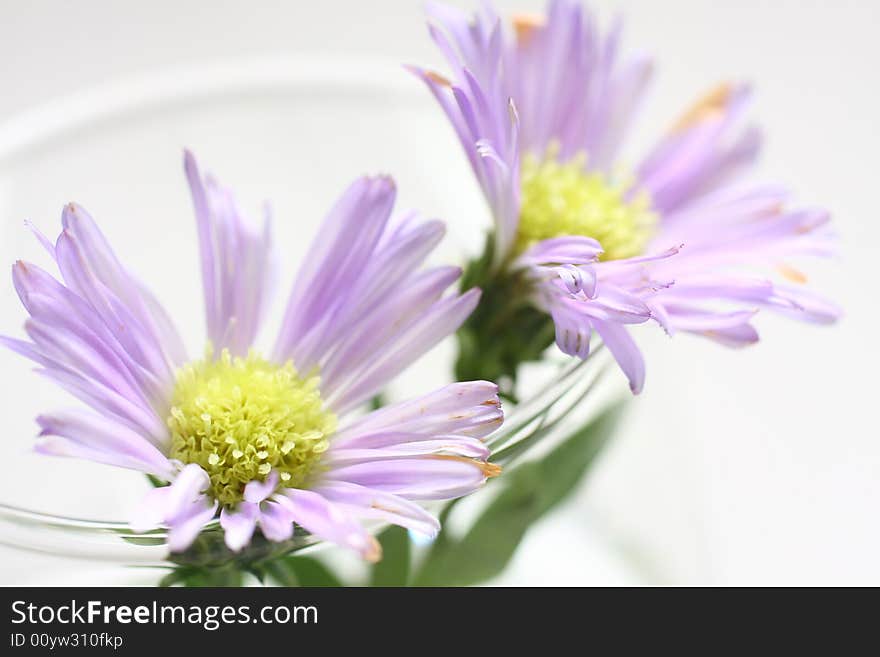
(541, 112)
(251, 437)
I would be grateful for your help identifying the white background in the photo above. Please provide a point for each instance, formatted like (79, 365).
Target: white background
(749, 467)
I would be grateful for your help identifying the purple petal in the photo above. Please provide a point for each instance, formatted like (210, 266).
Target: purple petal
(569, 250)
(373, 504)
(106, 401)
(181, 506)
(435, 478)
(328, 521)
(388, 446)
(276, 521)
(183, 529)
(91, 269)
(807, 306)
(703, 152)
(74, 338)
(235, 263)
(346, 243)
(380, 329)
(442, 319)
(625, 352)
(102, 436)
(468, 409)
(257, 491)
(238, 526)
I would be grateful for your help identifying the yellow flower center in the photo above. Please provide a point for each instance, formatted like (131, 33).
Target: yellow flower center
(563, 198)
(241, 418)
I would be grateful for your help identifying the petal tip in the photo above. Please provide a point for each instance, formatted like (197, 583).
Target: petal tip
(373, 551)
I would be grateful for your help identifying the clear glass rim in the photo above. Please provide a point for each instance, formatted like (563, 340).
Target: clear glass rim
(177, 86)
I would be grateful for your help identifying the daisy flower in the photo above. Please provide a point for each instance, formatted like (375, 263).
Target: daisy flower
(681, 239)
(264, 441)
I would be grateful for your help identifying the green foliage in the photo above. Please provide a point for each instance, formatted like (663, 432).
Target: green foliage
(156, 482)
(393, 569)
(208, 562)
(300, 571)
(204, 577)
(530, 491)
(504, 331)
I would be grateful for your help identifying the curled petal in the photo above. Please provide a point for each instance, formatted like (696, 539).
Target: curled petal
(625, 352)
(238, 526)
(328, 521)
(373, 504)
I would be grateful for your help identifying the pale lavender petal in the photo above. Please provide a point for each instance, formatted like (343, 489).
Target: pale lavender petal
(69, 347)
(276, 521)
(44, 241)
(382, 327)
(806, 305)
(729, 329)
(107, 401)
(703, 153)
(238, 526)
(183, 529)
(699, 320)
(578, 280)
(181, 506)
(390, 446)
(328, 521)
(573, 331)
(573, 250)
(26, 349)
(737, 336)
(235, 263)
(360, 312)
(73, 337)
(59, 446)
(442, 319)
(609, 303)
(373, 504)
(91, 269)
(403, 247)
(104, 436)
(345, 245)
(257, 491)
(625, 352)
(164, 504)
(187, 487)
(478, 104)
(468, 409)
(151, 511)
(435, 478)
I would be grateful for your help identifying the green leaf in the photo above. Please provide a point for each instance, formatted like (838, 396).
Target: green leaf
(300, 571)
(530, 491)
(144, 540)
(280, 571)
(172, 578)
(203, 577)
(393, 569)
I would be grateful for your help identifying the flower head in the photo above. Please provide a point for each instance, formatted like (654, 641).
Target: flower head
(541, 110)
(265, 441)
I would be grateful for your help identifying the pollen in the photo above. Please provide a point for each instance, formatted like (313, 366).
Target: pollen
(560, 198)
(242, 418)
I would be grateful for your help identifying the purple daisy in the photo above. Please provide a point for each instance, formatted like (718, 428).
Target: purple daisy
(541, 111)
(264, 442)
